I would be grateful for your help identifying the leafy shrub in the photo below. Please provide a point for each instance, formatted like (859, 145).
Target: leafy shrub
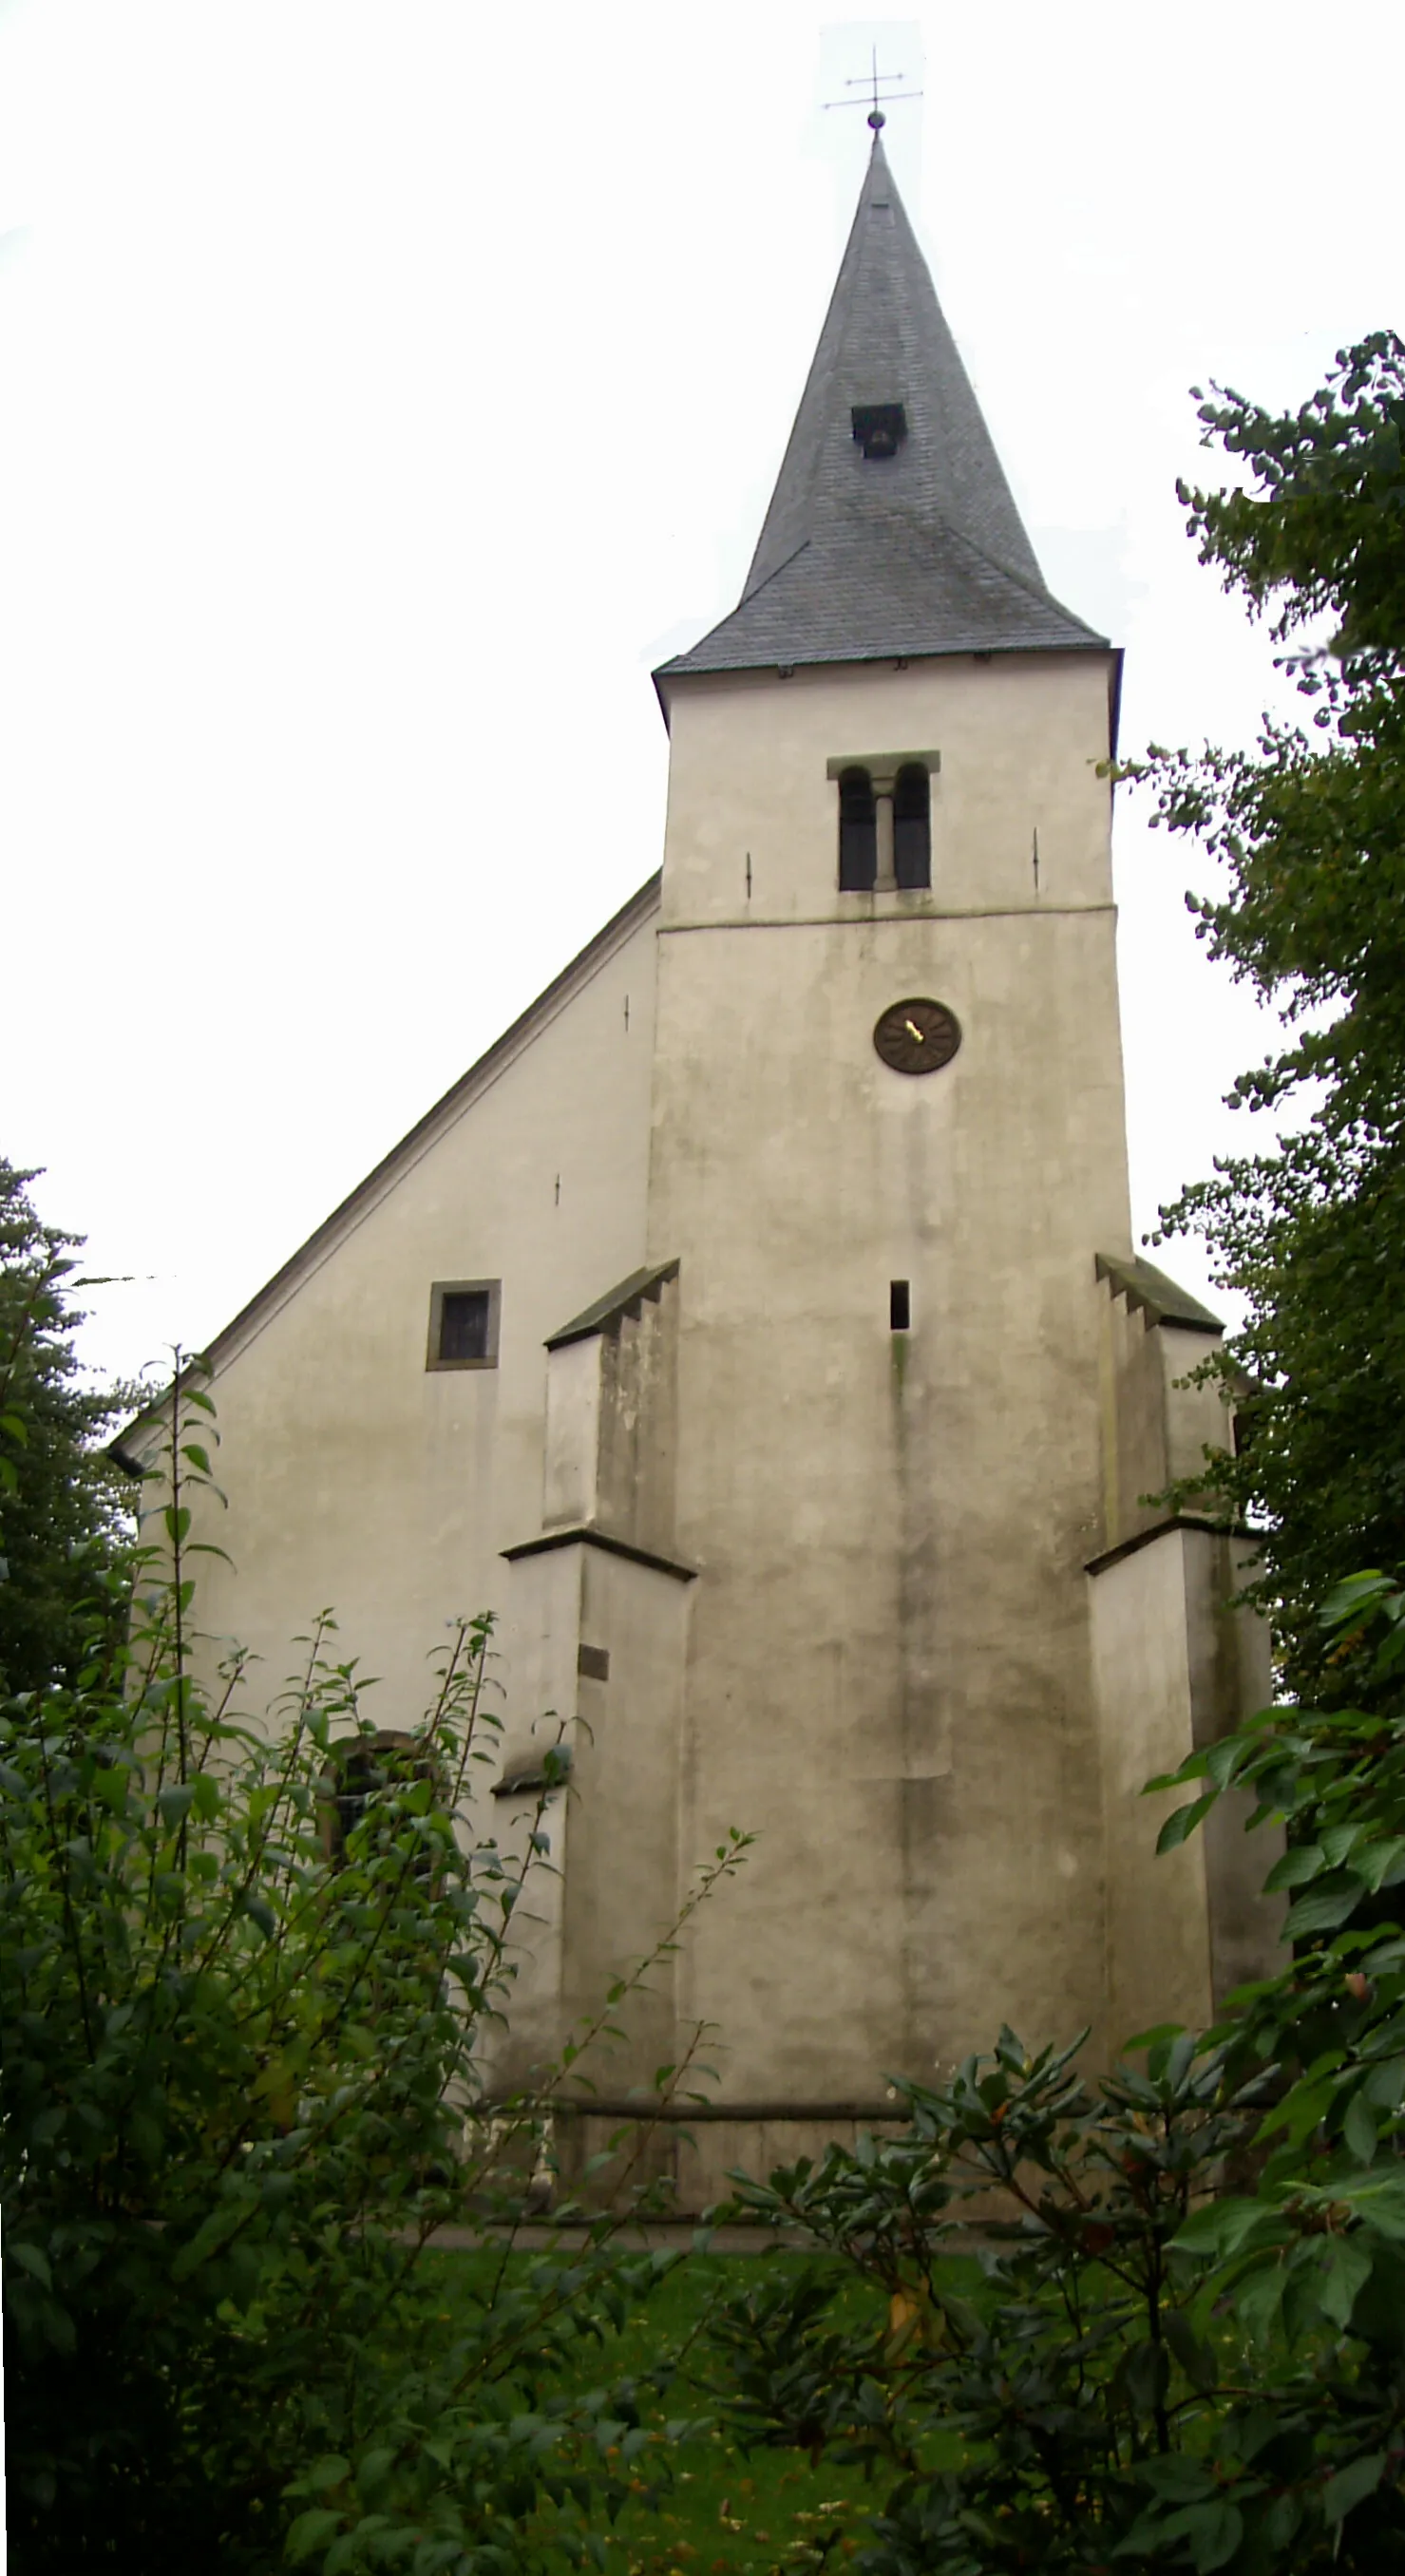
(243, 2027)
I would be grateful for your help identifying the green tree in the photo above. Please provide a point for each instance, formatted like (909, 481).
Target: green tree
(252, 1964)
(1310, 828)
(63, 1505)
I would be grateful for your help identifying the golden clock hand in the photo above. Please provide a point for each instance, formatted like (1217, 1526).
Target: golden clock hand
(913, 1030)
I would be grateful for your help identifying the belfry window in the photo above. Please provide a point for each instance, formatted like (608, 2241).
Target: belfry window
(912, 825)
(858, 832)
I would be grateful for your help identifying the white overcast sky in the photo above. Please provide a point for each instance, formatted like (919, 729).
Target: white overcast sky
(385, 385)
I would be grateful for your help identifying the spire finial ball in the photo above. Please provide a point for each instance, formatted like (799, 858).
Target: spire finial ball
(877, 119)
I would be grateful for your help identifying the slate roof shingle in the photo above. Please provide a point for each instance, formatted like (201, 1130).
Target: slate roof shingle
(865, 558)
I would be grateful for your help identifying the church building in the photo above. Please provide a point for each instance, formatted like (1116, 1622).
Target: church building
(757, 1330)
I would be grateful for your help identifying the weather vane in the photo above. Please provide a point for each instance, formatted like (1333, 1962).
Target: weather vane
(874, 80)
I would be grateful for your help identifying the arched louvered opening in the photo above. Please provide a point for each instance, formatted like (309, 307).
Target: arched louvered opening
(858, 832)
(912, 825)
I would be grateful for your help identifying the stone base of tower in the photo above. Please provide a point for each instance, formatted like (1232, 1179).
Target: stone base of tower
(605, 2154)
(883, 1925)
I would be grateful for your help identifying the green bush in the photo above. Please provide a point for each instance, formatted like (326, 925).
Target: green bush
(243, 2009)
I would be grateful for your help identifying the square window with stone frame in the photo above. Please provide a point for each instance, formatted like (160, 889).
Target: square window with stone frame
(463, 1324)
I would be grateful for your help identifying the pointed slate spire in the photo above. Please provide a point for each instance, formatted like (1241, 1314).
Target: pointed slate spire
(892, 529)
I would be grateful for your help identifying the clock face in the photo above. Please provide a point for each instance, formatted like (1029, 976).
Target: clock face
(917, 1037)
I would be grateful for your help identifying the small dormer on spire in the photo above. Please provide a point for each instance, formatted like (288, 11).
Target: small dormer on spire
(880, 428)
(892, 530)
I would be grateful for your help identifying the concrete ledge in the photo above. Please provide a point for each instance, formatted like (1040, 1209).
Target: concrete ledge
(1142, 1284)
(584, 1536)
(627, 2107)
(609, 1311)
(1159, 1529)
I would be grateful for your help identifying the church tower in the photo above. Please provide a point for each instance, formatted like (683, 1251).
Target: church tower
(830, 1509)
(888, 1140)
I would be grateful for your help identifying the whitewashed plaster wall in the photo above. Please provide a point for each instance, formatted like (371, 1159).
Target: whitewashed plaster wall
(359, 1478)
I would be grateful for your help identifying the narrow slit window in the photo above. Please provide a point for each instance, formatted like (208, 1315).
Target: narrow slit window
(858, 832)
(899, 1306)
(912, 825)
(463, 1324)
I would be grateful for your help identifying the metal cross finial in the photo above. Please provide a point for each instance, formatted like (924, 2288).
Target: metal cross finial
(871, 80)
